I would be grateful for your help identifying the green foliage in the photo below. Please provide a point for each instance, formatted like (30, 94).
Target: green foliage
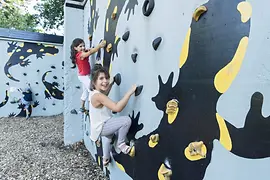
(12, 17)
(51, 13)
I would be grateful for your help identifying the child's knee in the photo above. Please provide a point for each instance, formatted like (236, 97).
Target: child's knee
(128, 121)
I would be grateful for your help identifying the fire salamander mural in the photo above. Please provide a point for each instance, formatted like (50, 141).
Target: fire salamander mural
(25, 64)
(204, 111)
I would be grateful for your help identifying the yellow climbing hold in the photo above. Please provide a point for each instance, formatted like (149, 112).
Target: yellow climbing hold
(120, 166)
(245, 10)
(29, 50)
(8, 75)
(172, 110)
(224, 138)
(10, 54)
(41, 50)
(109, 2)
(113, 16)
(226, 75)
(198, 12)
(21, 57)
(200, 153)
(185, 47)
(164, 173)
(107, 25)
(153, 140)
(18, 50)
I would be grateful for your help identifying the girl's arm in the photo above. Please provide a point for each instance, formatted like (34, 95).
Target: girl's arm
(101, 99)
(93, 50)
(109, 88)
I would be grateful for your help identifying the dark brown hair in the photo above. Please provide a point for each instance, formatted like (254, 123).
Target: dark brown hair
(98, 68)
(76, 42)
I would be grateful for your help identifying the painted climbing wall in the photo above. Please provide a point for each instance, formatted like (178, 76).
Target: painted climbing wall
(38, 63)
(203, 111)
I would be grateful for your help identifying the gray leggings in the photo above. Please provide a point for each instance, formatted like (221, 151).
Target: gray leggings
(120, 125)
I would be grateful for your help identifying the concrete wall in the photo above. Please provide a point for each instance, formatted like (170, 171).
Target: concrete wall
(34, 62)
(217, 68)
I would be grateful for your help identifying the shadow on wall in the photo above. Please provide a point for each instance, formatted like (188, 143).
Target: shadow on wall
(39, 65)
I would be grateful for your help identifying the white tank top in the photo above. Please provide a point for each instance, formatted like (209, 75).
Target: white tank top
(97, 117)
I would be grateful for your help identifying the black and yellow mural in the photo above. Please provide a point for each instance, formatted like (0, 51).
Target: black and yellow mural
(21, 68)
(212, 55)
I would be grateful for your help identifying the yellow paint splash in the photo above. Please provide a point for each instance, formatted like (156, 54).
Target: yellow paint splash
(21, 57)
(120, 167)
(99, 160)
(196, 157)
(184, 52)
(41, 50)
(107, 25)
(91, 2)
(224, 138)
(8, 75)
(172, 116)
(48, 54)
(18, 50)
(245, 10)
(10, 54)
(29, 50)
(93, 13)
(226, 75)
(116, 38)
(21, 45)
(110, 69)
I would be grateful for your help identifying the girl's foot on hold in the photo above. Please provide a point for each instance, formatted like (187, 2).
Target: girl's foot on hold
(106, 161)
(127, 149)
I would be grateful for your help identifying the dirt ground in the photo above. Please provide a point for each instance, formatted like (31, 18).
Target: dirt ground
(34, 149)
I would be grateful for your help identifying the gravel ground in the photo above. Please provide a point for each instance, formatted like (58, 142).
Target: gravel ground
(34, 149)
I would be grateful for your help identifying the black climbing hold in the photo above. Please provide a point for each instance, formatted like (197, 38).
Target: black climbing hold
(24, 74)
(37, 70)
(7, 83)
(114, 112)
(125, 36)
(78, 87)
(36, 94)
(62, 68)
(117, 79)
(44, 109)
(63, 88)
(54, 77)
(63, 63)
(134, 57)
(156, 43)
(138, 90)
(55, 84)
(53, 104)
(148, 7)
(73, 111)
(53, 67)
(36, 82)
(87, 133)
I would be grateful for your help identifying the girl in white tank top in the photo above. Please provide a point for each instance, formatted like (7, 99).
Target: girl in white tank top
(102, 123)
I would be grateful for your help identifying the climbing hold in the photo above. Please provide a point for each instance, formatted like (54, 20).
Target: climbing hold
(165, 171)
(125, 36)
(36, 82)
(148, 7)
(24, 74)
(109, 47)
(153, 140)
(132, 152)
(114, 13)
(36, 94)
(172, 110)
(198, 12)
(54, 77)
(7, 83)
(44, 109)
(78, 87)
(134, 57)
(138, 90)
(63, 63)
(53, 67)
(114, 112)
(37, 70)
(73, 111)
(117, 79)
(156, 43)
(195, 151)
(90, 37)
(53, 104)
(86, 133)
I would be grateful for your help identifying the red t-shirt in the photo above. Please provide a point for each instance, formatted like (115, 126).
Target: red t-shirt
(83, 65)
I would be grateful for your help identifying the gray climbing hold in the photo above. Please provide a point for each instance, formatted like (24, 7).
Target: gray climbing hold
(73, 111)
(117, 79)
(138, 90)
(125, 36)
(134, 57)
(156, 43)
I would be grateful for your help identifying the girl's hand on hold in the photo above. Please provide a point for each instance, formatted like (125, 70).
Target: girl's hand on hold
(132, 89)
(102, 44)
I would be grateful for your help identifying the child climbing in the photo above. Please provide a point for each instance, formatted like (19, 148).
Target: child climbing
(80, 57)
(26, 99)
(102, 122)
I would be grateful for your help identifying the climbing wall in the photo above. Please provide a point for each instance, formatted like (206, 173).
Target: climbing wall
(203, 68)
(40, 65)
